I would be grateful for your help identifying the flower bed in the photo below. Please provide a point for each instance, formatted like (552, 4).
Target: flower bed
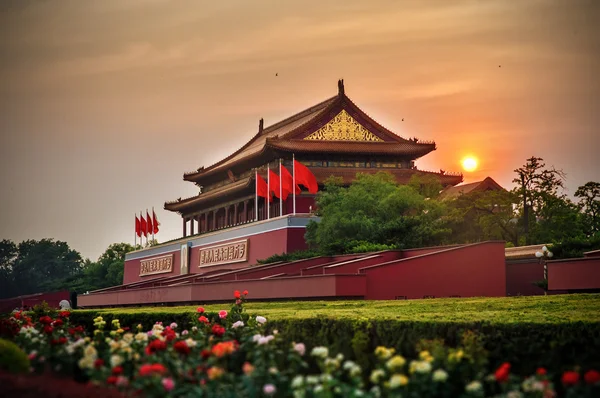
(230, 353)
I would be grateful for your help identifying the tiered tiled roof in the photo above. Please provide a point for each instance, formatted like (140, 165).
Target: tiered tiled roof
(452, 192)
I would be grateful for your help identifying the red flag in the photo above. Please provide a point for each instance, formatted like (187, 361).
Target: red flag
(155, 222)
(138, 227)
(274, 183)
(262, 189)
(305, 177)
(150, 228)
(286, 183)
(143, 225)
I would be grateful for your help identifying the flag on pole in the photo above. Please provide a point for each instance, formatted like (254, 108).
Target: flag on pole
(143, 225)
(262, 189)
(287, 181)
(149, 223)
(138, 229)
(155, 222)
(274, 178)
(304, 176)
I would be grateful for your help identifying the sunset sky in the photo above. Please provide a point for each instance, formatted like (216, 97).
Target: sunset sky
(105, 104)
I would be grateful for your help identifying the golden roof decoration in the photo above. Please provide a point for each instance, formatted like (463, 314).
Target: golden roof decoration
(343, 127)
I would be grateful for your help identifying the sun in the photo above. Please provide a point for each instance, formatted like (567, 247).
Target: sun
(469, 163)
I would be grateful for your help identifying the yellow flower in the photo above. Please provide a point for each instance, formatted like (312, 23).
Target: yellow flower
(376, 376)
(119, 330)
(395, 363)
(398, 380)
(384, 353)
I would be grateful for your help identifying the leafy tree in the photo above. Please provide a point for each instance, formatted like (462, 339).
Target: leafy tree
(428, 185)
(8, 254)
(537, 188)
(108, 270)
(44, 265)
(589, 203)
(484, 215)
(374, 209)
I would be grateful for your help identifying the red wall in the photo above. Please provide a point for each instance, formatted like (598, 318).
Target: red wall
(520, 278)
(467, 271)
(574, 274)
(260, 246)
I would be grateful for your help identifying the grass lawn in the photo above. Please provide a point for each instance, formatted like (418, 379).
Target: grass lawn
(531, 309)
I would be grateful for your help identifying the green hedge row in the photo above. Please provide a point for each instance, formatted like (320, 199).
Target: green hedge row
(557, 346)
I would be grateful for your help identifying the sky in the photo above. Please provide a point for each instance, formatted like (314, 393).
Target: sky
(104, 105)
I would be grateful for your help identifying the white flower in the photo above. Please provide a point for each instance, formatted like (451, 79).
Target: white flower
(298, 381)
(514, 394)
(141, 337)
(263, 340)
(256, 337)
(116, 360)
(269, 389)
(273, 370)
(473, 386)
(326, 378)
(237, 324)
(376, 375)
(320, 352)
(312, 380)
(261, 319)
(270, 337)
(191, 342)
(300, 348)
(70, 348)
(422, 367)
(398, 380)
(318, 389)
(440, 375)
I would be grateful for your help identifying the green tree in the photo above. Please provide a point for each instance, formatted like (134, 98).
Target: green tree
(484, 215)
(589, 203)
(428, 185)
(108, 270)
(45, 265)
(374, 209)
(8, 255)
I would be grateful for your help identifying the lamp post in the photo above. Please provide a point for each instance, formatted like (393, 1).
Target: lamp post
(543, 257)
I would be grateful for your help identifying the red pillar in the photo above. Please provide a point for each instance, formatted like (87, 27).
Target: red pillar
(214, 220)
(184, 227)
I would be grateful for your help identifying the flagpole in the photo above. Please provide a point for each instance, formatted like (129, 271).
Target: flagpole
(142, 238)
(268, 191)
(153, 228)
(280, 191)
(135, 235)
(294, 180)
(255, 194)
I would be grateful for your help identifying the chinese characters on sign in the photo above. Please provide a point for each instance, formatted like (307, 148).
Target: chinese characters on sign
(156, 265)
(232, 252)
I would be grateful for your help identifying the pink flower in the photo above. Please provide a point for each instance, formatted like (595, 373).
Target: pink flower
(269, 389)
(168, 383)
(222, 314)
(200, 310)
(300, 348)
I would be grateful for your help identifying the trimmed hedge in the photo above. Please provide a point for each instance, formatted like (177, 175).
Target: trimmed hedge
(557, 346)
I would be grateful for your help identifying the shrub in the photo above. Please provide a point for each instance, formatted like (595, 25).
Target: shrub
(12, 358)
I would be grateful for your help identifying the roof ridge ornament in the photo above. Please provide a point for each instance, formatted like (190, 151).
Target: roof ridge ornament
(341, 87)
(261, 123)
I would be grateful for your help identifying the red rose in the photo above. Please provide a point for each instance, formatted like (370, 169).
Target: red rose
(203, 319)
(218, 330)
(237, 294)
(205, 354)
(48, 329)
(64, 314)
(182, 347)
(58, 322)
(159, 368)
(117, 370)
(98, 363)
(502, 373)
(245, 292)
(169, 334)
(155, 345)
(148, 369)
(570, 378)
(592, 376)
(62, 340)
(200, 310)
(541, 372)
(46, 320)
(111, 380)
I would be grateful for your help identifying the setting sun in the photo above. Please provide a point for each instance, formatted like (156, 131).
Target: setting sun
(469, 163)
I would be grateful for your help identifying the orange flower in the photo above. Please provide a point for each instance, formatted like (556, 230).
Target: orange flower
(223, 348)
(248, 368)
(215, 372)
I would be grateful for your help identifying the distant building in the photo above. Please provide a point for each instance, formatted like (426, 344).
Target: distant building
(453, 192)
(332, 138)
